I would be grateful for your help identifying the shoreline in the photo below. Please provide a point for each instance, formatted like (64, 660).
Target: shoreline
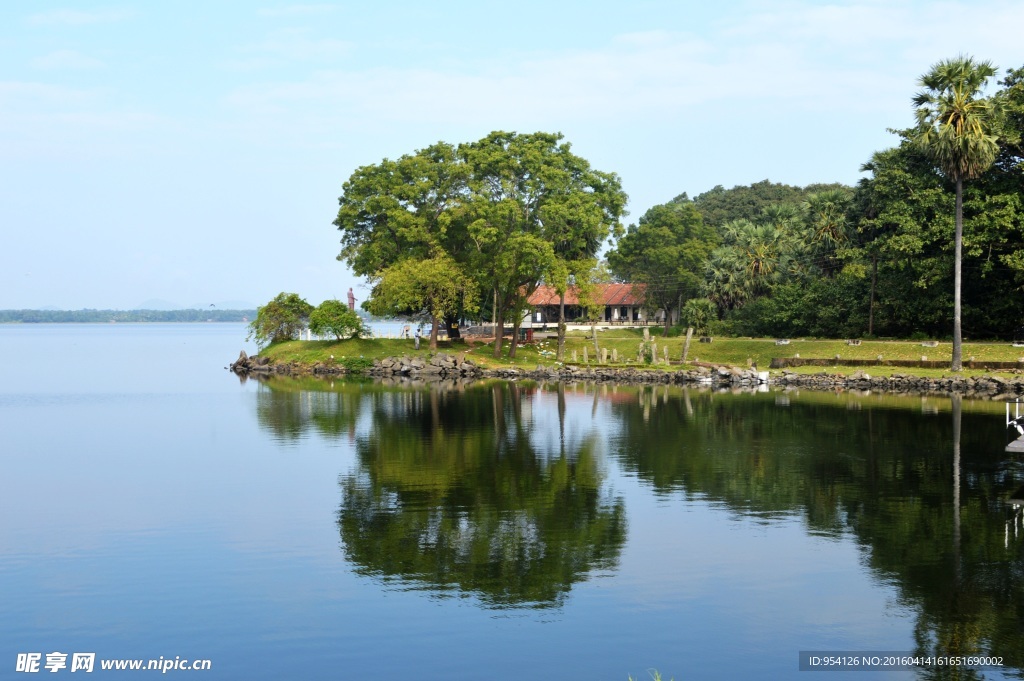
(444, 366)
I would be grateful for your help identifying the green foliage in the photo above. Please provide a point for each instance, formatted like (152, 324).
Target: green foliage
(655, 675)
(666, 251)
(536, 207)
(955, 125)
(500, 215)
(720, 206)
(333, 317)
(699, 313)
(956, 129)
(410, 207)
(283, 318)
(436, 285)
(356, 364)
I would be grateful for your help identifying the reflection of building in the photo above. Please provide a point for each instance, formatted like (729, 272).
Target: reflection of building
(622, 304)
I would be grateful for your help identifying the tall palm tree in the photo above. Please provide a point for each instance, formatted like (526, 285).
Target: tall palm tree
(955, 127)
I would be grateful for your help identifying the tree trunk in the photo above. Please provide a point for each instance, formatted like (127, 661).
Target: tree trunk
(958, 351)
(499, 327)
(435, 323)
(668, 321)
(514, 343)
(871, 304)
(560, 356)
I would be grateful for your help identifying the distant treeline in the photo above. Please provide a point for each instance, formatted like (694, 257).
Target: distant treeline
(85, 316)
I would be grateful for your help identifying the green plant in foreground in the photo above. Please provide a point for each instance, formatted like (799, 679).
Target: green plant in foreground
(356, 363)
(655, 675)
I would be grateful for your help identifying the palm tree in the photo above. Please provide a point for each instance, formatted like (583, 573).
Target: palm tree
(955, 128)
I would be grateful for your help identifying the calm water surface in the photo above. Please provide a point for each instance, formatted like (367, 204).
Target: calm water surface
(154, 505)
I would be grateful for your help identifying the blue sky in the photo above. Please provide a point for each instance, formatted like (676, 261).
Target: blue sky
(193, 152)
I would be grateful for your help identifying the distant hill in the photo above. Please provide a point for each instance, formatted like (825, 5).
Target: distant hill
(151, 315)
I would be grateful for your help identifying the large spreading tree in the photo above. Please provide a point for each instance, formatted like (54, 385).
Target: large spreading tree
(499, 216)
(537, 207)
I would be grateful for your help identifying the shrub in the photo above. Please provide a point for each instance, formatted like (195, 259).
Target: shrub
(333, 317)
(356, 363)
(699, 313)
(283, 318)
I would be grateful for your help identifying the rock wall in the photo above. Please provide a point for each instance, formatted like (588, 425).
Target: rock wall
(447, 366)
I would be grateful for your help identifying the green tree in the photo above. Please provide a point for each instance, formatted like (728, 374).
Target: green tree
(396, 209)
(904, 219)
(666, 251)
(409, 209)
(279, 320)
(720, 206)
(698, 313)
(333, 317)
(755, 257)
(507, 212)
(437, 285)
(828, 226)
(955, 127)
(535, 207)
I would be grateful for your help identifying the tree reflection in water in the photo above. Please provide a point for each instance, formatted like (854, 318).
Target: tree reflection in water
(929, 520)
(452, 493)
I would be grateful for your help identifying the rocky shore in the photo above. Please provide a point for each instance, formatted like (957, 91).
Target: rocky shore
(448, 366)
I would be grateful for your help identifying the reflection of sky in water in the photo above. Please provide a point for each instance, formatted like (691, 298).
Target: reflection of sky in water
(583, 419)
(147, 513)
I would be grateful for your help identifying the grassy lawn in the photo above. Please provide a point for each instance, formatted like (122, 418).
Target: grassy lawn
(731, 351)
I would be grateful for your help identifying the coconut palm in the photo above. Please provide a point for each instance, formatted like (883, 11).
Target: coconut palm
(955, 128)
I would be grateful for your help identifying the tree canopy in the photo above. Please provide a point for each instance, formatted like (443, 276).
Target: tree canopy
(498, 216)
(333, 317)
(283, 318)
(666, 251)
(503, 214)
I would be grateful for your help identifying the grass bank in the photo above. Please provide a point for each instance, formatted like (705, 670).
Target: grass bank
(730, 351)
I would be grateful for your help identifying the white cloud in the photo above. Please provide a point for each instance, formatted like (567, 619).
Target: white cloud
(66, 59)
(75, 17)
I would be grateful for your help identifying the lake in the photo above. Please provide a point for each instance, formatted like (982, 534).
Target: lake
(157, 507)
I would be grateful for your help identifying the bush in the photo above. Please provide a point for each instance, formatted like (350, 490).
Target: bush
(699, 313)
(356, 363)
(283, 318)
(333, 317)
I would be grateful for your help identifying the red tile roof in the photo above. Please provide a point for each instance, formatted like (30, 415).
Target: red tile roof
(607, 294)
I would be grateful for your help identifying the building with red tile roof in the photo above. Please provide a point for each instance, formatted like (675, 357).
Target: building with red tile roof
(623, 303)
